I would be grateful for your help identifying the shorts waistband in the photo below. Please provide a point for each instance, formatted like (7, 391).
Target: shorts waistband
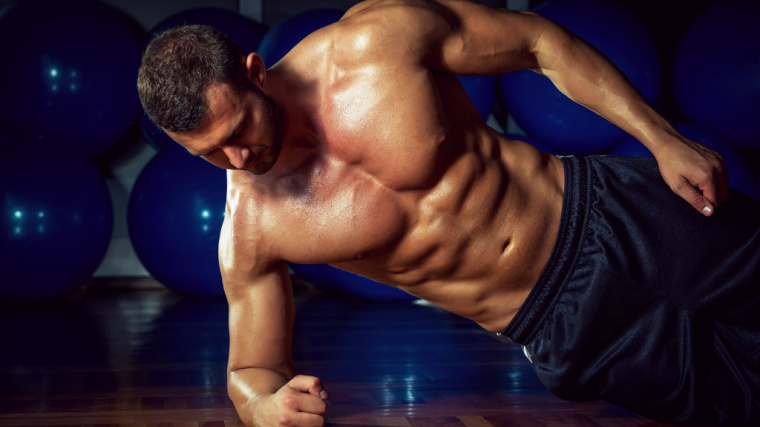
(563, 255)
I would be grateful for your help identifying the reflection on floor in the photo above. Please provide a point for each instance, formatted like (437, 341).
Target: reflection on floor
(136, 354)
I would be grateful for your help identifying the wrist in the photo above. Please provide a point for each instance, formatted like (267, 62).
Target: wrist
(255, 410)
(658, 138)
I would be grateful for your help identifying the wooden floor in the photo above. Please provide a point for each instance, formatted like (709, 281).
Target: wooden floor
(140, 355)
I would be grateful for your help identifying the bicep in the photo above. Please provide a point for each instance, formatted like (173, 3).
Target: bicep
(474, 39)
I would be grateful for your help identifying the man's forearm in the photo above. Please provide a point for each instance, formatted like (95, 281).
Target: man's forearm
(587, 77)
(694, 172)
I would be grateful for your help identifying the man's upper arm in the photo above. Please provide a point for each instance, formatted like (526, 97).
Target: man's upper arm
(458, 36)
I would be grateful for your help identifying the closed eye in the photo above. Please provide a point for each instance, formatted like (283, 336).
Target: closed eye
(239, 130)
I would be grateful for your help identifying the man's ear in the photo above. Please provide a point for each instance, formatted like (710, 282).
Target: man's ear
(257, 71)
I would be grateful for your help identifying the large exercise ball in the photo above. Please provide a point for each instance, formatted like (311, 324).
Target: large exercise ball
(156, 137)
(365, 288)
(244, 31)
(284, 35)
(716, 71)
(56, 223)
(175, 215)
(316, 274)
(739, 176)
(630, 147)
(482, 92)
(69, 70)
(543, 112)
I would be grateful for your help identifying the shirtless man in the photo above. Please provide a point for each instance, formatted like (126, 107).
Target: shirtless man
(361, 150)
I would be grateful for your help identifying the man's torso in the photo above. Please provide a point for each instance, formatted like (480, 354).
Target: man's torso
(405, 184)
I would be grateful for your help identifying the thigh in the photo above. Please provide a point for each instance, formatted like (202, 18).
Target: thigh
(659, 314)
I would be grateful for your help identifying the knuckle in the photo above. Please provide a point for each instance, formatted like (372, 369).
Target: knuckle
(285, 419)
(678, 186)
(703, 175)
(289, 402)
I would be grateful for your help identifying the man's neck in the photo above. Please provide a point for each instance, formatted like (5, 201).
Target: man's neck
(298, 103)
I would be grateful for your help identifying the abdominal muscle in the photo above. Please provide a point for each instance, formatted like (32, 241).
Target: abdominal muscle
(478, 240)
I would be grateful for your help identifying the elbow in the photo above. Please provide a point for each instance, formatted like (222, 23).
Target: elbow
(552, 44)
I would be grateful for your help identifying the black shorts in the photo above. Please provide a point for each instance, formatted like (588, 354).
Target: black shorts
(646, 303)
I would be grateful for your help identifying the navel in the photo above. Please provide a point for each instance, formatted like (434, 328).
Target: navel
(505, 246)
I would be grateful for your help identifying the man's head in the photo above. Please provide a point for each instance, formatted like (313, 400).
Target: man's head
(193, 81)
(179, 66)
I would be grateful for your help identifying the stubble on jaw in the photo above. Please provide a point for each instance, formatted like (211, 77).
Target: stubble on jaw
(276, 122)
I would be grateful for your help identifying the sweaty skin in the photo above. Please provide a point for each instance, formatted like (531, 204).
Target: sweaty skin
(387, 170)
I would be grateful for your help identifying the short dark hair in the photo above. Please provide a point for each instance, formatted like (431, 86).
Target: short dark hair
(177, 68)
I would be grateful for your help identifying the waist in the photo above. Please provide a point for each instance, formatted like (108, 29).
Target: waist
(569, 234)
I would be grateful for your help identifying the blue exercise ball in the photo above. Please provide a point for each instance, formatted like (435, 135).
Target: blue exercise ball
(739, 176)
(543, 112)
(175, 215)
(156, 137)
(482, 92)
(316, 274)
(70, 71)
(716, 71)
(366, 288)
(284, 35)
(57, 220)
(244, 31)
(630, 147)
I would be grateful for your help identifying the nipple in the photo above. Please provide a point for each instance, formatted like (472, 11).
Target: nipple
(441, 137)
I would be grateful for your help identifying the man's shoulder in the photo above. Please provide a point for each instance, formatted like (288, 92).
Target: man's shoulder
(256, 234)
(385, 24)
(394, 8)
(245, 224)
(263, 216)
(375, 30)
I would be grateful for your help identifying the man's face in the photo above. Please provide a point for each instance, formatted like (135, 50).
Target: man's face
(243, 130)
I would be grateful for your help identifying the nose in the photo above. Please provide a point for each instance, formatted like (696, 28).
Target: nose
(238, 156)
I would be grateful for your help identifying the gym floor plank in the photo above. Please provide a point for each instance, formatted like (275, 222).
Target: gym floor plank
(132, 353)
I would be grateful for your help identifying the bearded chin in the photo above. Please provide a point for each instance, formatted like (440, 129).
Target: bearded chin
(276, 121)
